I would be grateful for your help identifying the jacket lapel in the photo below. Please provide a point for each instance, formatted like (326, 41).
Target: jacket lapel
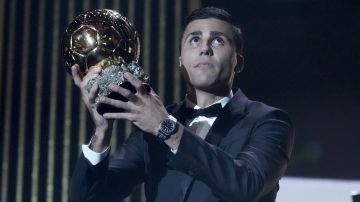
(233, 112)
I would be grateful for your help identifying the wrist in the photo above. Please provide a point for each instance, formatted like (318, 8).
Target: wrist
(100, 140)
(174, 140)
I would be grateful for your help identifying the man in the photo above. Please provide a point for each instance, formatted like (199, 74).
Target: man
(238, 154)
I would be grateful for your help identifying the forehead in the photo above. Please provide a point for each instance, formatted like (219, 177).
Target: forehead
(208, 25)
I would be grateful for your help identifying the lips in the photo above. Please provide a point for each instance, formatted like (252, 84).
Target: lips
(204, 65)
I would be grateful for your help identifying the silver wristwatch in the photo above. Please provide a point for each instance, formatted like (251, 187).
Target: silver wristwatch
(167, 127)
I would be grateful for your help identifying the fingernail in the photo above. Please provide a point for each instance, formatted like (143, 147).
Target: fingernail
(127, 74)
(111, 86)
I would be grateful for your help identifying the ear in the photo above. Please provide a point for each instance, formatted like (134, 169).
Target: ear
(240, 63)
(180, 61)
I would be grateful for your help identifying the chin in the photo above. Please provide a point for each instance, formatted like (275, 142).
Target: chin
(202, 83)
(212, 87)
(203, 86)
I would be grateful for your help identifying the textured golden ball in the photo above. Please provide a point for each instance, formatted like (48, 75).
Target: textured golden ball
(97, 35)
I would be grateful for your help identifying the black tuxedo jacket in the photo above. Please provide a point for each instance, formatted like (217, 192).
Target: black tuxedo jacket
(242, 159)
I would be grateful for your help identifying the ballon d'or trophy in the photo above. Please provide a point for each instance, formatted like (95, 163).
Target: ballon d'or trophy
(103, 37)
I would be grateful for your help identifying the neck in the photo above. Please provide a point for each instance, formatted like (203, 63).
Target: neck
(204, 98)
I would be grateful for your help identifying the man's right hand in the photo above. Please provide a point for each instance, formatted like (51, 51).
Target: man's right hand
(101, 138)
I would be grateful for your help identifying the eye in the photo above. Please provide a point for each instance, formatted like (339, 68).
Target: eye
(194, 41)
(217, 41)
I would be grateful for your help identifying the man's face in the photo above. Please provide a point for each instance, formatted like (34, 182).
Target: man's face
(208, 55)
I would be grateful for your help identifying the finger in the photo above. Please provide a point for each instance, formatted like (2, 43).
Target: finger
(75, 74)
(86, 80)
(147, 87)
(94, 69)
(135, 82)
(92, 73)
(92, 93)
(123, 115)
(127, 106)
(124, 92)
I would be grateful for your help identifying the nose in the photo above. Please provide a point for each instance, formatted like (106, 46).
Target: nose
(206, 49)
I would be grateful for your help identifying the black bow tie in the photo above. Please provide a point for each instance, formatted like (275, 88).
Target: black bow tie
(212, 111)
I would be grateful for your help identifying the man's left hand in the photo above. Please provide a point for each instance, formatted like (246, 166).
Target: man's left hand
(144, 108)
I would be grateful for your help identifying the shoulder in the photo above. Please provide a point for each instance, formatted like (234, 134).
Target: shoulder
(260, 108)
(261, 111)
(255, 110)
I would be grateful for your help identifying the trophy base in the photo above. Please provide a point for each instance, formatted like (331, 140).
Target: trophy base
(105, 108)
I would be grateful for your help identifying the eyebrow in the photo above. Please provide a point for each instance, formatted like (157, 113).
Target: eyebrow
(196, 33)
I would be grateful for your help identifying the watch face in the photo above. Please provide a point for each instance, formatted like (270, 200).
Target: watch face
(168, 126)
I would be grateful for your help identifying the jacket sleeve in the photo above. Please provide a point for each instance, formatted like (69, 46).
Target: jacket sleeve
(113, 178)
(252, 171)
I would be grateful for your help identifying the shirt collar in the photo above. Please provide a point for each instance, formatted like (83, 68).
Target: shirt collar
(223, 101)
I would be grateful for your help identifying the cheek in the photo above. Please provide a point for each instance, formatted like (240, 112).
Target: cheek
(227, 66)
(231, 62)
(186, 59)
(234, 61)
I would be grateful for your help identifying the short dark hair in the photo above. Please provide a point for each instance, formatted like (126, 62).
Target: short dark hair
(220, 14)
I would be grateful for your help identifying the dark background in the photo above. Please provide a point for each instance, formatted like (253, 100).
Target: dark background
(300, 55)
(304, 56)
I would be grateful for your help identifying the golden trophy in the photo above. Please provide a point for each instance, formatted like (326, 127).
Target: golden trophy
(103, 37)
